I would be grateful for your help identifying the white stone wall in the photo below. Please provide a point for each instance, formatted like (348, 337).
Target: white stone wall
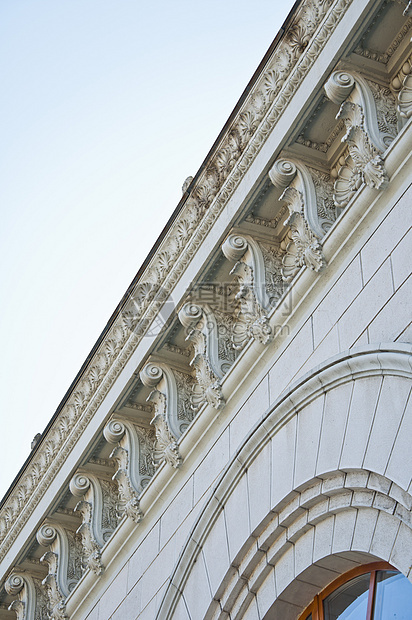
(341, 466)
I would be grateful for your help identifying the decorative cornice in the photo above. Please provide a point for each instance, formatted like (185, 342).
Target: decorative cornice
(314, 24)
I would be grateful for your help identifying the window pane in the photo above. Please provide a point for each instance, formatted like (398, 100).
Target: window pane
(350, 601)
(393, 597)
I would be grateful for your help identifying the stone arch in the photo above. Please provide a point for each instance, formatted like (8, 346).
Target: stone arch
(309, 465)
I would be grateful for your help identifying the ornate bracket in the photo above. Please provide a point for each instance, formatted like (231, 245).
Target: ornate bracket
(364, 140)
(249, 270)
(31, 603)
(164, 398)
(301, 246)
(134, 457)
(94, 509)
(202, 332)
(64, 561)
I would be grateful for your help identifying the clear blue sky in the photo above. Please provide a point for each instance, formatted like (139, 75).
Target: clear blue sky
(106, 108)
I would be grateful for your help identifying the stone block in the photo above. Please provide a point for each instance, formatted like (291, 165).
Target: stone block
(401, 556)
(323, 538)
(400, 258)
(114, 594)
(288, 365)
(343, 530)
(181, 612)
(362, 409)
(259, 475)
(236, 513)
(384, 239)
(143, 556)
(364, 529)
(307, 442)
(389, 412)
(365, 306)
(217, 564)
(249, 414)
(284, 570)
(157, 573)
(384, 536)
(130, 608)
(176, 512)
(283, 458)
(337, 300)
(304, 551)
(326, 348)
(94, 614)
(251, 612)
(333, 428)
(299, 593)
(197, 589)
(399, 467)
(394, 317)
(211, 466)
(266, 594)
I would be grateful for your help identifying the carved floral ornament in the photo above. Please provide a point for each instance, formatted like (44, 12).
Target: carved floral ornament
(250, 129)
(365, 142)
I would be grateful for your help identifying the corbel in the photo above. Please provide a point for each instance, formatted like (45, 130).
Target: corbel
(135, 463)
(249, 270)
(164, 398)
(31, 602)
(202, 330)
(365, 142)
(64, 560)
(94, 509)
(301, 245)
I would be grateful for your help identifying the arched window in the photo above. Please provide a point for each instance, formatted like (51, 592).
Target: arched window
(371, 592)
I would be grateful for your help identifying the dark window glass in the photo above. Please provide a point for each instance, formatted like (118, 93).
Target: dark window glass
(350, 601)
(393, 598)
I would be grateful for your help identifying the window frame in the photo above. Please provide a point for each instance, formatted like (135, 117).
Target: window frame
(316, 606)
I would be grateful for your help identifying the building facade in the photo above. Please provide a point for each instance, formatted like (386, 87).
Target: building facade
(239, 438)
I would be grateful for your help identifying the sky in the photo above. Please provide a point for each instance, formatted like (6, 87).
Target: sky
(107, 107)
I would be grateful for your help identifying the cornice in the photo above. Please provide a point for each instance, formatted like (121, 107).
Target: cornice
(296, 52)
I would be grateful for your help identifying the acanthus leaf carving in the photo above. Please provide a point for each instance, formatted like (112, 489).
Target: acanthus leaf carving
(363, 137)
(202, 334)
(249, 270)
(64, 559)
(135, 466)
(92, 552)
(304, 248)
(57, 602)
(31, 603)
(165, 401)
(305, 191)
(91, 507)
